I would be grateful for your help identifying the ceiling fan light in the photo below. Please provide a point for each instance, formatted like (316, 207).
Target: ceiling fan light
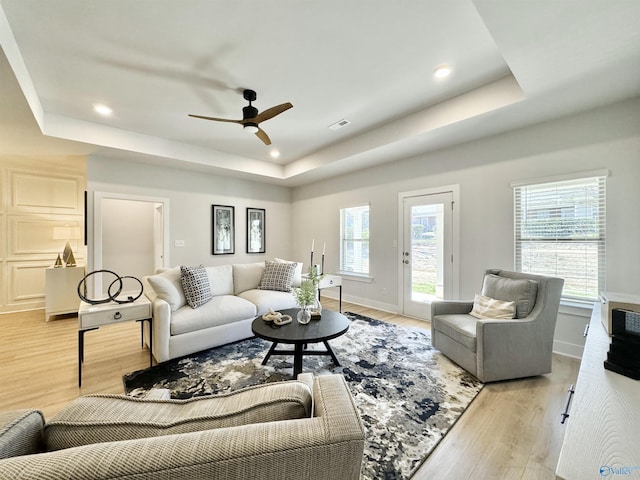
(251, 127)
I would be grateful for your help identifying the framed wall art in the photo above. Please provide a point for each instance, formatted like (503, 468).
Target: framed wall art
(256, 230)
(223, 225)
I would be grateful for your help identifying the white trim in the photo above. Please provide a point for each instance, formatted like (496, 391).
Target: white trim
(96, 255)
(562, 178)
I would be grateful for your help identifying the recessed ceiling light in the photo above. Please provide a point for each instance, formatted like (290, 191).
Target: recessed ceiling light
(442, 71)
(275, 153)
(103, 110)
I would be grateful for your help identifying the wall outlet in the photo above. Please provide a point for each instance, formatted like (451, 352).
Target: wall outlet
(179, 243)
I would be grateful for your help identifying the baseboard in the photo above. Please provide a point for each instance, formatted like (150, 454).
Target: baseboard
(568, 349)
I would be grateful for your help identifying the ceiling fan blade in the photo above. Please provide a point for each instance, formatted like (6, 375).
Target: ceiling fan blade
(262, 135)
(216, 119)
(272, 112)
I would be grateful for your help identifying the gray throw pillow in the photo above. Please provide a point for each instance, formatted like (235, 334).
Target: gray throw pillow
(277, 276)
(521, 291)
(195, 283)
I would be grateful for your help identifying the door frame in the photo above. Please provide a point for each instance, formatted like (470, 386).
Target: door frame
(95, 281)
(455, 240)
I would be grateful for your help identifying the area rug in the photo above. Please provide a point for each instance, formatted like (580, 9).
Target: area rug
(408, 394)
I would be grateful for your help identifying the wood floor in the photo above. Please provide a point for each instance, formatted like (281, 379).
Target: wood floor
(511, 430)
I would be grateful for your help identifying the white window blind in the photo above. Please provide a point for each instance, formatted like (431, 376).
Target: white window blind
(354, 240)
(560, 231)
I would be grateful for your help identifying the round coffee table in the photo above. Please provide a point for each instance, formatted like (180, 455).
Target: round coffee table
(331, 325)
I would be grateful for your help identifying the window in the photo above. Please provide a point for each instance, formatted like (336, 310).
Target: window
(560, 231)
(354, 240)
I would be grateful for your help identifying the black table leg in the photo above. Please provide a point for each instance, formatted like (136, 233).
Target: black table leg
(330, 352)
(150, 320)
(81, 352)
(297, 360)
(271, 350)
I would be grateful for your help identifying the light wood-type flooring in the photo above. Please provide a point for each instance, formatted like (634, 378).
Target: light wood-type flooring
(511, 430)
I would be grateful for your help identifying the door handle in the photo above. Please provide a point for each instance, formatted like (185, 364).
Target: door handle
(406, 262)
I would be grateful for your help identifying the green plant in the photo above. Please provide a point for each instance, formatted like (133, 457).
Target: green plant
(305, 294)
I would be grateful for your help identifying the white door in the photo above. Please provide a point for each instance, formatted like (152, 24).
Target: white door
(427, 251)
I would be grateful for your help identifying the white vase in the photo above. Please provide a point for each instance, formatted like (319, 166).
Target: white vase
(304, 315)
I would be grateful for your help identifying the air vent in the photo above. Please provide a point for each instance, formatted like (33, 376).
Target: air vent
(339, 124)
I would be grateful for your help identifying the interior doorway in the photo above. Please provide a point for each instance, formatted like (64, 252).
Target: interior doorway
(130, 236)
(429, 253)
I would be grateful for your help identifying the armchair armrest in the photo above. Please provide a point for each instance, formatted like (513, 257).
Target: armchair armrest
(450, 307)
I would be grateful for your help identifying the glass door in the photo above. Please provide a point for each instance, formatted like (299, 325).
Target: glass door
(427, 251)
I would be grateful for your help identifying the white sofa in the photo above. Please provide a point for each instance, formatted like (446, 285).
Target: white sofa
(179, 329)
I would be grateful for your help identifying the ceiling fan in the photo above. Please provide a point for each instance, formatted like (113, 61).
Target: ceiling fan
(250, 116)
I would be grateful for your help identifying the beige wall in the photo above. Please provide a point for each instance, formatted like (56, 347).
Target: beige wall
(35, 197)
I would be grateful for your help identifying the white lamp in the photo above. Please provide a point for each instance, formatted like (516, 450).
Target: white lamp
(67, 233)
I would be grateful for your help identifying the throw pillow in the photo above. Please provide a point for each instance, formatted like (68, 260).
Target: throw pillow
(277, 276)
(521, 291)
(195, 283)
(486, 307)
(168, 286)
(297, 276)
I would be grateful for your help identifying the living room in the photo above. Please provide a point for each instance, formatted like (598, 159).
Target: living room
(604, 137)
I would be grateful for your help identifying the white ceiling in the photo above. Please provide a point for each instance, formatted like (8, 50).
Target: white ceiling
(514, 63)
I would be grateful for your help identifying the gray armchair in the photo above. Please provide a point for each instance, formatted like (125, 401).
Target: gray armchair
(495, 350)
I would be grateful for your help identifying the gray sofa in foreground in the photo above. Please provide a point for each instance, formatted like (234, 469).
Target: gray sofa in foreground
(500, 349)
(305, 429)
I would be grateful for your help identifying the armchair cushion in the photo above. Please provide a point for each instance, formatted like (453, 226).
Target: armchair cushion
(522, 291)
(487, 307)
(20, 432)
(107, 418)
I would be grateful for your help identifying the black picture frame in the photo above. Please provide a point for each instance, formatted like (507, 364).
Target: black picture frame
(256, 230)
(223, 236)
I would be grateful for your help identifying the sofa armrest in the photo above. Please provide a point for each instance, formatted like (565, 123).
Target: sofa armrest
(161, 312)
(328, 446)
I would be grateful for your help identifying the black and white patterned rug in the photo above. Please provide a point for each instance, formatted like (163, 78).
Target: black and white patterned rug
(408, 394)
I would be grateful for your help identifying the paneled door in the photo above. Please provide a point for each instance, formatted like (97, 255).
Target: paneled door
(427, 251)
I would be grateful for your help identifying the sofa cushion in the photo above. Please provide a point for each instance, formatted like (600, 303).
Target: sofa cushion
(521, 291)
(246, 276)
(20, 432)
(221, 279)
(487, 307)
(277, 276)
(297, 275)
(195, 284)
(106, 418)
(219, 310)
(269, 299)
(459, 327)
(168, 286)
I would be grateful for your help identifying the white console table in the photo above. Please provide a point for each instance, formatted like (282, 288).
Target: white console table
(602, 439)
(330, 281)
(61, 294)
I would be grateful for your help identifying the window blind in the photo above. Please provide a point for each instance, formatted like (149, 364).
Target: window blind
(354, 240)
(560, 231)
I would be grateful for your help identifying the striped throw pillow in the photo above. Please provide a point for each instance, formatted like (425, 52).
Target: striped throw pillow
(487, 307)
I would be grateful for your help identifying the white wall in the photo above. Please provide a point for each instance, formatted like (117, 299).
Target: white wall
(604, 138)
(191, 195)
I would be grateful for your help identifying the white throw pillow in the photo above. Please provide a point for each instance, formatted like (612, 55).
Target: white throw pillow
(168, 287)
(297, 275)
(487, 307)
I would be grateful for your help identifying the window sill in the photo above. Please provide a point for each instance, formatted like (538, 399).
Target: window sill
(356, 277)
(577, 307)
